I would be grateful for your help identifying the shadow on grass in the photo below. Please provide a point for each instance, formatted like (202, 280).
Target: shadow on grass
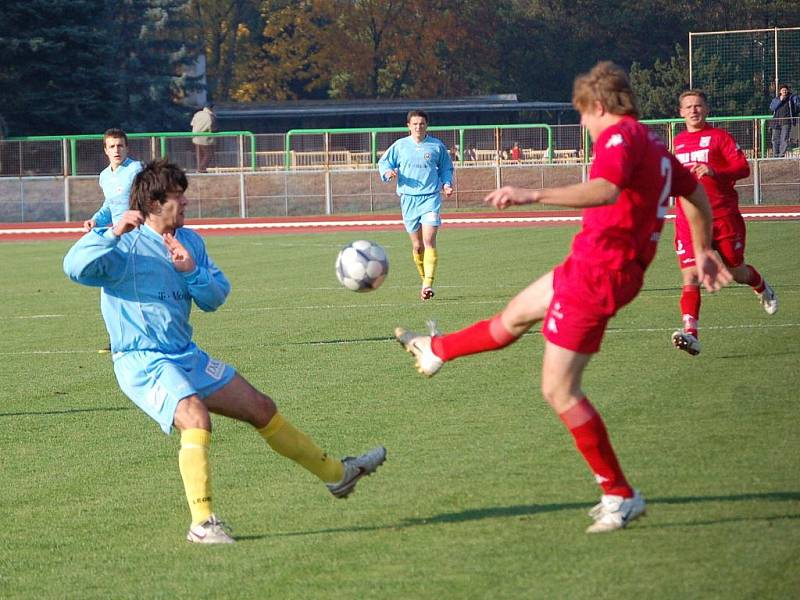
(64, 411)
(522, 510)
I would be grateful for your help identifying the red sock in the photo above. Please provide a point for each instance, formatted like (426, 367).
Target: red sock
(482, 336)
(690, 308)
(591, 438)
(756, 280)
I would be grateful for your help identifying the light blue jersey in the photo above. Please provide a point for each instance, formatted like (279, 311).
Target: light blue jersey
(422, 168)
(116, 186)
(145, 302)
(146, 305)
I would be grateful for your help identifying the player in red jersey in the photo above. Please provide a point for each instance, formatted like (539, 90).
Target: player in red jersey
(716, 160)
(632, 177)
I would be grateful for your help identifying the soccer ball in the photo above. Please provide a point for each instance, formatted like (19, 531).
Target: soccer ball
(362, 266)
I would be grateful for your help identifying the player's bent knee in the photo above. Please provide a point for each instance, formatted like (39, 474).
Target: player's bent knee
(192, 413)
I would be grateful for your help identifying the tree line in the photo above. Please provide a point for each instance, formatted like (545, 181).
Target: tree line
(80, 66)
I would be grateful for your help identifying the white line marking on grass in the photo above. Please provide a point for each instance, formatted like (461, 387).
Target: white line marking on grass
(391, 338)
(705, 327)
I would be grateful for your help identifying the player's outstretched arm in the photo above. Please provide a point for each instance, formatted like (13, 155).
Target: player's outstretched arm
(711, 272)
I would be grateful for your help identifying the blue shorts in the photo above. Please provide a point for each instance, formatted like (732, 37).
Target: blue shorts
(421, 210)
(156, 381)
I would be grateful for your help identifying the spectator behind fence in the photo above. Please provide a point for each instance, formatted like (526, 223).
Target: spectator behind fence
(472, 154)
(785, 110)
(454, 153)
(516, 152)
(204, 121)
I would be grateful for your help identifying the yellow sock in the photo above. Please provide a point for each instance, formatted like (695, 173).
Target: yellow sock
(296, 445)
(195, 471)
(429, 261)
(419, 262)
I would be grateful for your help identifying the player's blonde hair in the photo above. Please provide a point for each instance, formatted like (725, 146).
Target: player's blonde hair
(607, 84)
(695, 92)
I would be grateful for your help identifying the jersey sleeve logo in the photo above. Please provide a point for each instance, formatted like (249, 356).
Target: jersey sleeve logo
(427, 156)
(705, 141)
(614, 140)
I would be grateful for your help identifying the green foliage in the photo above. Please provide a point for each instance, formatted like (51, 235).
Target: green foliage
(55, 70)
(148, 55)
(483, 494)
(81, 66)
(657, 89)
(228, 32)
(75, 66)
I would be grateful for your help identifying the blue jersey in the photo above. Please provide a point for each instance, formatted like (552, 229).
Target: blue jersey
(422, 168)
(145, 302)
(116, 186)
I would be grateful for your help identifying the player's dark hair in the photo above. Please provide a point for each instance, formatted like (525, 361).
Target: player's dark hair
(152, 184)
(417, 113)
(115, 133)
(784, 85)
(695, 92)
(607, 84)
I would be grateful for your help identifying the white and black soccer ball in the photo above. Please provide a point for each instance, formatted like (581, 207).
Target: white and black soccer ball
(362, 266)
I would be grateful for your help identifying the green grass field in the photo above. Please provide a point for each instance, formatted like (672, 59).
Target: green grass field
(483, 494)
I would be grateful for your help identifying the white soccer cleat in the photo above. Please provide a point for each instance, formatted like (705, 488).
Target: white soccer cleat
(210, 531)
(427, 362)
(355, 468)
(686, 342)
(616, 512)
(769, 299)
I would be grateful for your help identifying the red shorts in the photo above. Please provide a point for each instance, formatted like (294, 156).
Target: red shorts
(728, 235)
(584, 299)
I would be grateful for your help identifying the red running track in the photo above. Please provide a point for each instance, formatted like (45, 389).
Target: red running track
(53, 230)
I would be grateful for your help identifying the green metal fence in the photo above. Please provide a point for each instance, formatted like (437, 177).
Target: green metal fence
(82, 154)
(367, 144)
(342, 149)
(332, 171)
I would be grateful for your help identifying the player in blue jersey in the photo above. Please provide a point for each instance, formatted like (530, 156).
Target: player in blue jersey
(115, 180)
(151, 269)
(423, 168)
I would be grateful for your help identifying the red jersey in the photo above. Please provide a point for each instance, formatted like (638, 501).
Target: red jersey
(717, 149)
(636, 160)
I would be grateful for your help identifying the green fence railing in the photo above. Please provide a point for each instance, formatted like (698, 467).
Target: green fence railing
(374, 131)
(162, 137)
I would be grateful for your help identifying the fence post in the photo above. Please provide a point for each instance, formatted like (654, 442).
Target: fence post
(73, 155)
(328, 193)
(65, 174)
(67, 216)
(498, 180)
(756, 181)
(242, 194)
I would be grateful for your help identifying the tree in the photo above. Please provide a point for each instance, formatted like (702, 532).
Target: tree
(53, 75)
(374, 49)
(657, 89)
(288, 64)
(149, 56)
(227, 33)
(402, 48)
